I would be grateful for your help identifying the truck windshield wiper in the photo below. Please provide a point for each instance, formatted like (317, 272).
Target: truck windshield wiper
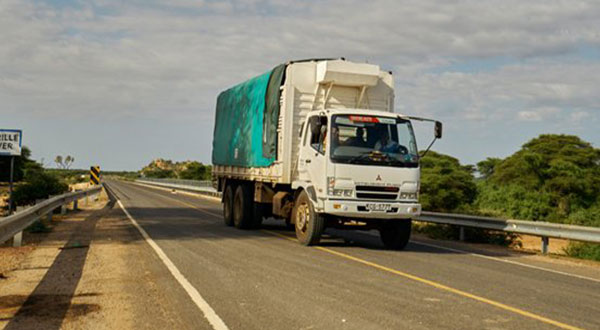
(382, 159)
(368, 156)
(356, 159)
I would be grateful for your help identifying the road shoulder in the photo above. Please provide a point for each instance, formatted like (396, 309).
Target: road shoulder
(94, 271)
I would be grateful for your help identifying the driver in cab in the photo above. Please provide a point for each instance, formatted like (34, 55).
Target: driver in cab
(385, 144)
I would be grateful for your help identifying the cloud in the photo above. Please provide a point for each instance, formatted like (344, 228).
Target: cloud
(476, 61)
(579, 116)
(531, 91)
(151, 58)
(537, 114)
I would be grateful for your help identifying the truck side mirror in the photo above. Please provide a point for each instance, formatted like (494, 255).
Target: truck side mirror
(315, 127)
(438, 130)
(323, 120)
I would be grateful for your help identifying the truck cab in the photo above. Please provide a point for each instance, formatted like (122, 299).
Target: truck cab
(359, 168)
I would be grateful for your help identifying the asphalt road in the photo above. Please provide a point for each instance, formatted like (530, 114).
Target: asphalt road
(262, 279)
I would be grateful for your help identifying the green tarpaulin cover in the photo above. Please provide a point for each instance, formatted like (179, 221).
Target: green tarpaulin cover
(246, 122)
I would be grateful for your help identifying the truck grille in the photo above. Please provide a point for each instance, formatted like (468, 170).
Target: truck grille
(377, 192)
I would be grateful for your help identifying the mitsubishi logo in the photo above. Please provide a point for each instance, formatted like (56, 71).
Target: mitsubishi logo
(378, 178)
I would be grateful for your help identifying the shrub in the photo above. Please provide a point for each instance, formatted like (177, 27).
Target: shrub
(514, 201)
(584, 250)
(38, 185)
(586, 217)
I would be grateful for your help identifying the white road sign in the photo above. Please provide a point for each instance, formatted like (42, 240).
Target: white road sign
(10, 142)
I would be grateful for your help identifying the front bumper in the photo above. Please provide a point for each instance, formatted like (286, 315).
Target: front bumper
(359, 209)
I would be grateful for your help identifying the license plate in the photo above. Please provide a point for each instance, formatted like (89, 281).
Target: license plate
(379, 207)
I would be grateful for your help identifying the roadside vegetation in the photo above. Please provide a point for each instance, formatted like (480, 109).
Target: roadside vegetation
(167, 169)
(32, 183)
(552, 178)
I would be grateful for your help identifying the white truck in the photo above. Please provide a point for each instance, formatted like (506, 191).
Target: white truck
(317, 143)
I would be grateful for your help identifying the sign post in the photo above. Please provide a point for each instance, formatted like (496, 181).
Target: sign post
(10, 185)
(10, 145)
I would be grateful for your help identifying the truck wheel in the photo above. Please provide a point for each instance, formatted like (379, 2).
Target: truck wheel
(395, 234)
(228, 205)
(309, 225)
(258, 213)
(242, 207)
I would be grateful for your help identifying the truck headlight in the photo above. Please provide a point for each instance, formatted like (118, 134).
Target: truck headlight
(341, 192)
(337, 192)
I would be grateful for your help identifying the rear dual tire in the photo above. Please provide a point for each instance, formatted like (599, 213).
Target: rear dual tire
(242, 208)
(228, 205)
(239, 208)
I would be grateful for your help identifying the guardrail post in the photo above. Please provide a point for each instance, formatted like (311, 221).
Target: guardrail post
(18, 239)
(461, 233)
(49, 216)
(545, 242)
(63, 209)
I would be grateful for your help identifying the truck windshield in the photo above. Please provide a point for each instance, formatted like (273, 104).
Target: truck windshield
(373, 140)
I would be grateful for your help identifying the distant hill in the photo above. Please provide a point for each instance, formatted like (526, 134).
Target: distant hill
(166, 168)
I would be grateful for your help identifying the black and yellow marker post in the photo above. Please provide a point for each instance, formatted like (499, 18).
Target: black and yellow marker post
(95, 175)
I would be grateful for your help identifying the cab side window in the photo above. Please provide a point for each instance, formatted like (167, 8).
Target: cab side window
(317, 133)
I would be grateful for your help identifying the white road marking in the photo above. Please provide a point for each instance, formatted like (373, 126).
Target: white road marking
(507, 261)
(499, 259)
(210, 314)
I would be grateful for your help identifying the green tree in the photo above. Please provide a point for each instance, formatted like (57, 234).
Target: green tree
(21, 163)
(159, 173)
(69, 160)
(446, 185)
(195, 171)
(562, 167)
(513, 201)
(552, 178)
(59, 161)
(486, 167)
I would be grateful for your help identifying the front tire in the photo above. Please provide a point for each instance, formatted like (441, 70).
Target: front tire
(309, 225)
(242, 207)
(228, 205)
(395, 234)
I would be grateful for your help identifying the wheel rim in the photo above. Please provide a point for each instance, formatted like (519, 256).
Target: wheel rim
(302, 217)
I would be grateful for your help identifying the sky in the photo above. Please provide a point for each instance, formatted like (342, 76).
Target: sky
(119, 83)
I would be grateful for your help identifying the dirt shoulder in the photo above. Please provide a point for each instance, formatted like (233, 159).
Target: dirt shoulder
(92, 271)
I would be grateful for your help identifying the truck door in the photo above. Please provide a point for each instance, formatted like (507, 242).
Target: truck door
(312, 164)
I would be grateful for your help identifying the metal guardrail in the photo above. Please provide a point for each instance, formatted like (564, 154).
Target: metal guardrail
(203, 187)
(180, 182)
(13, 225)
(542, 229)
(536, 228)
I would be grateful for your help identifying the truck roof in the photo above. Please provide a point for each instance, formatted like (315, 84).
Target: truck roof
(361, 112)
